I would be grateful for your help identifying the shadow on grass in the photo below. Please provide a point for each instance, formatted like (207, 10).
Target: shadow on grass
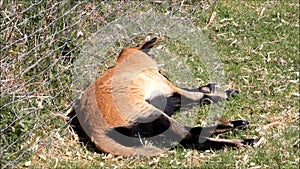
(83, 138)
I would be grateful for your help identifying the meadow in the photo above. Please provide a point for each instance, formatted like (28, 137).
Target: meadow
(256, 41)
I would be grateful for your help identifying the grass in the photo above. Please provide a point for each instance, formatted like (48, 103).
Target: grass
(257, 41)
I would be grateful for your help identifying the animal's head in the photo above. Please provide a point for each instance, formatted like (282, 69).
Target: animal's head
(145, 47)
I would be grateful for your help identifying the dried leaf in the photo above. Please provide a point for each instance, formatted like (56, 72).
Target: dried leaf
(27, 163)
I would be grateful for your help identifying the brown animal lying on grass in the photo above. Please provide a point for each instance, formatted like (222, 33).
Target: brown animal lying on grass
(132, 101)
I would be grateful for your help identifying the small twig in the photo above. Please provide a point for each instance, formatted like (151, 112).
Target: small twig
(211, 20)
(68, 111)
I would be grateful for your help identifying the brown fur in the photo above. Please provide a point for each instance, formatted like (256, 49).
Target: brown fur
(123, 105)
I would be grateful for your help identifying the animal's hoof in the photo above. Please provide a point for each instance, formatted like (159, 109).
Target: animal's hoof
(250, 141)
(232, 93)
(240, 124)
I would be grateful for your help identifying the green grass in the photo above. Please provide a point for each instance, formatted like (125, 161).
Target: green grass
(258, 42)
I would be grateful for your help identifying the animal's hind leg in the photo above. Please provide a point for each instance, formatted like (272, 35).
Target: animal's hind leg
(212, 88)
(201, 140)
(220, 128)
(204, 143)
(202, 95)
(205, 93)
(152, 122)
(209, 88)
(188, 98)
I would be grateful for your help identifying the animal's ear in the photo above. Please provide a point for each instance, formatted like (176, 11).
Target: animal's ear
(148, 45)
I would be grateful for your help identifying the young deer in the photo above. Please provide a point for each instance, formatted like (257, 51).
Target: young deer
(133, 101)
